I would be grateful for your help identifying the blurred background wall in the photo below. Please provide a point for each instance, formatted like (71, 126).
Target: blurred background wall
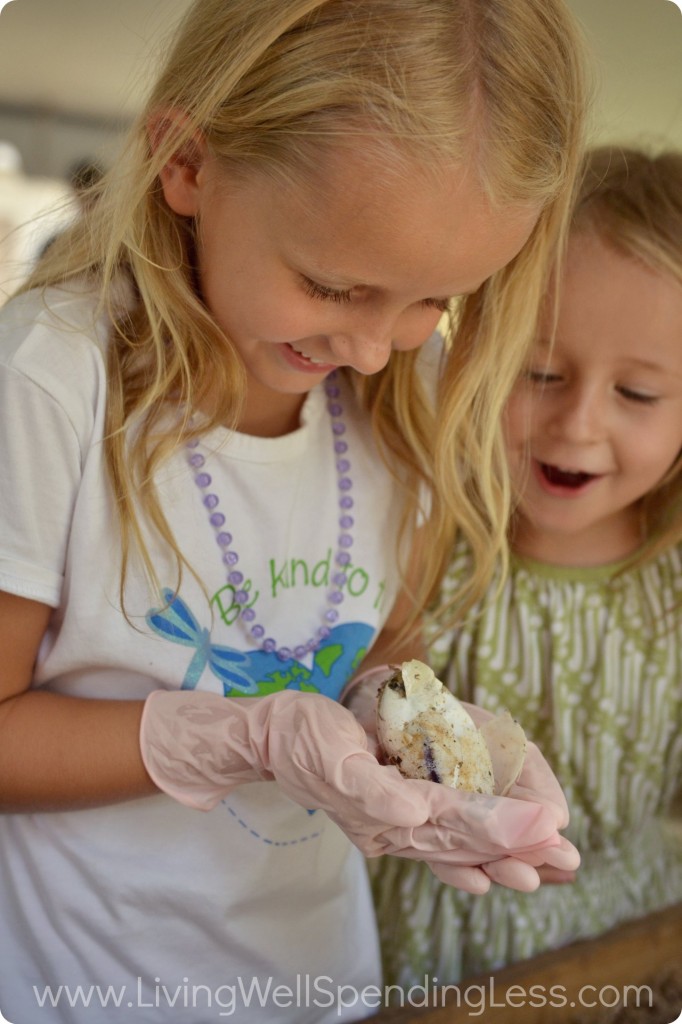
(73, 74)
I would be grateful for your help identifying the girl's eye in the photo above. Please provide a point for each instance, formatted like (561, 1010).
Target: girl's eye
(541, 377)
(638, 396)
(442, 305)
(319, 291)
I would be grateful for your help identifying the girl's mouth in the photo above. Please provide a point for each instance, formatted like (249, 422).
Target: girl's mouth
(564, 479)
(303, 362)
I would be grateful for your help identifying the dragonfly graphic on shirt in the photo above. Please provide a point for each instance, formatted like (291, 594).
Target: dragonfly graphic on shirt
(176, 622)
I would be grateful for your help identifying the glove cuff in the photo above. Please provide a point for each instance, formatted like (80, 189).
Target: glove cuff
(196, 746)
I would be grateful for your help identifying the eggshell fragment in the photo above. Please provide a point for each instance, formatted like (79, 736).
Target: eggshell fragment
(506, 743)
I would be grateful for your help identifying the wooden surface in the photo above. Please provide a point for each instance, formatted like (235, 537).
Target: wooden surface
(554, 988)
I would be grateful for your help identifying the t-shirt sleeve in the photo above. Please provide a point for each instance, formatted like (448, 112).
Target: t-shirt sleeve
(40, 469)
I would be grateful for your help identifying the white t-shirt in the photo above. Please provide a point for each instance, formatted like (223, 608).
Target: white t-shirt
(258, 909)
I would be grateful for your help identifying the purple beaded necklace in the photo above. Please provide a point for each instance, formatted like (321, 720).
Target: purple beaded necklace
(335, 596)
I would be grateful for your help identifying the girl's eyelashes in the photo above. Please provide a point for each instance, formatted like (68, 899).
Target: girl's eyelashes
(546, 377)
(320, 291)
(541, 376)
(643, 397)
(442, 305)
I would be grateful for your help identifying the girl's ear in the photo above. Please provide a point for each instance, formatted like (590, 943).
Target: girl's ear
(181, 173)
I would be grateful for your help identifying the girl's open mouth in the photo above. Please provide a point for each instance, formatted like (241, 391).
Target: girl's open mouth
(565, 478)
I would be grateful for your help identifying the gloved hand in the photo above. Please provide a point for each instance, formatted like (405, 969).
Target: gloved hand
(536, 784)
(197, 747)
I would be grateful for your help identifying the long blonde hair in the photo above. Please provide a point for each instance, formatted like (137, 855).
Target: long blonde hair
(267, 82)
(632, 199)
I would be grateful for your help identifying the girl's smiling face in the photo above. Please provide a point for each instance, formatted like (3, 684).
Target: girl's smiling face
(596, 422)
(338, 271)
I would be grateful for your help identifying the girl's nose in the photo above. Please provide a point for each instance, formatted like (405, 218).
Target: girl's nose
(366, 351)
(579, 416)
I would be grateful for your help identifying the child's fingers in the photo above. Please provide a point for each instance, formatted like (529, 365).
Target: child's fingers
(563, 856)
(554, 876)
(469, 879)
(513, 873)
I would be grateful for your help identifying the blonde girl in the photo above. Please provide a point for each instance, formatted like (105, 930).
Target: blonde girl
(216, 442)
(583, 643)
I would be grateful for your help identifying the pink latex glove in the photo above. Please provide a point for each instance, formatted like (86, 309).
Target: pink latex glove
(537, 784)
(197, 747)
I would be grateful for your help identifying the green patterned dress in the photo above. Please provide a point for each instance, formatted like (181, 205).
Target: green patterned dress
(591, 665)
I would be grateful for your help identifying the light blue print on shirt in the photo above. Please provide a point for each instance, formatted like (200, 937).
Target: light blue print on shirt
(259, 672)
(177, 623)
